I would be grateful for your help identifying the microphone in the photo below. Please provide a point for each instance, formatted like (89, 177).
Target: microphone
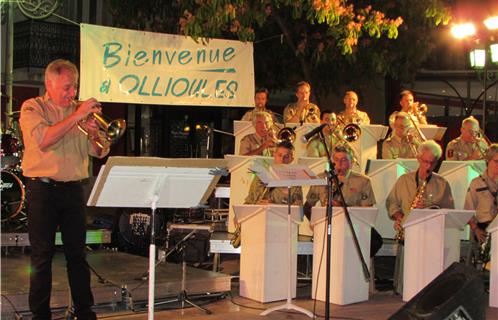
(313, 132)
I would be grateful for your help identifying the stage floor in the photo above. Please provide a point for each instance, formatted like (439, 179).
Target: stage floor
(125, 269)
(117, 268)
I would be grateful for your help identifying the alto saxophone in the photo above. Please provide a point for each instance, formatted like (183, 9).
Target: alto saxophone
(236, 238)
(400, 234)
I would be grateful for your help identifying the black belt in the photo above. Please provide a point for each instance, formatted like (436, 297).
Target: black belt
(54, 182)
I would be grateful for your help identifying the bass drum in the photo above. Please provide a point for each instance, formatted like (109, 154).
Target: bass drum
(13, 195)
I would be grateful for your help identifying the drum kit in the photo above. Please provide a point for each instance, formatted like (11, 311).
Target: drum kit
(11, 185)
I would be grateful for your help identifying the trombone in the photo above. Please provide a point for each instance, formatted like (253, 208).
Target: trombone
(420, 135)
(345, 134)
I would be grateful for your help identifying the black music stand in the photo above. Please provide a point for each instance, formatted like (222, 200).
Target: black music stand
(185, 247)
(141, 182)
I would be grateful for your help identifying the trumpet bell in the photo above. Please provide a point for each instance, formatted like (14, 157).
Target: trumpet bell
(351, 132)
(116, 129)
(286, 134)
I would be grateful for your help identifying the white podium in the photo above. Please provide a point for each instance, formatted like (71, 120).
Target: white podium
(240, 130)
(301, 130)
(366, 146)
(347, 281)
(493, 273)
(432, 243)
(318, 166)
(263, 274)
(459, 175)
(432, 131)
(240, 181)
(383, 173)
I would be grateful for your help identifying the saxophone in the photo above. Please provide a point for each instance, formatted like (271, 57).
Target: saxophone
(400, 234)
(236, 238)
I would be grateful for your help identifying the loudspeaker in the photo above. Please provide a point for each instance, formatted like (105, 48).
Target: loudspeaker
(189, 242)
(457, 293)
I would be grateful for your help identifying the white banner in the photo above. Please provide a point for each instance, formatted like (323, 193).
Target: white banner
(119, 65)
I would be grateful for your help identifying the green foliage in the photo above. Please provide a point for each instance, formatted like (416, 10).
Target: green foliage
(327, 42)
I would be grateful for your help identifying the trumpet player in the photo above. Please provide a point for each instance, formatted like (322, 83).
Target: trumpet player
(315, 147)
(408, 105)
(351, 114)
(261, 194)
(482, 196)
(302, 110)
(403, 142)
(55, 163)
(469, 145)
(262, 141)
(406, 195)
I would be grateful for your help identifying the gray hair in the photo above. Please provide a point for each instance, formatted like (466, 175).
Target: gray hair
(57, 66)
(264, 114)
(431, 146)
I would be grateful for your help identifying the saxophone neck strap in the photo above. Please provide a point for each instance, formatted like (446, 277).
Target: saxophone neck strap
(426, 179)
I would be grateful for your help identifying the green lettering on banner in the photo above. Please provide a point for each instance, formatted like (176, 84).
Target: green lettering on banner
(104, 88)
(111, 55)
(177, 94)
(228, 54)
(139, 56)
(132, 77)
(184, 57)
(141, 90)
(154, 93)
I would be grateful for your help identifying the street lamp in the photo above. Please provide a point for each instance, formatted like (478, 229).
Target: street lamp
(479, 56)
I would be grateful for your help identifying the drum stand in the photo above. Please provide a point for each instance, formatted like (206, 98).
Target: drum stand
(182, 295)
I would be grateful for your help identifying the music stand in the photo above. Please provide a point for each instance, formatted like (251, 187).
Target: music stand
(181, 246)
(142, 182)
(286, 175)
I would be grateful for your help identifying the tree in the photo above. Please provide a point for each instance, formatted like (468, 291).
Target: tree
(326, 42)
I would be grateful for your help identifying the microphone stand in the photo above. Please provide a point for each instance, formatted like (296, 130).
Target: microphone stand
(332, 180)
(208, 140)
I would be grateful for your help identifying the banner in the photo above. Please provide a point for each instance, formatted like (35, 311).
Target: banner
(119, 65)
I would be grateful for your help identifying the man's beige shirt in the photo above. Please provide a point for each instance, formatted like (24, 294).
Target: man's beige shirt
(458, 149)
(65, 160)
(480, 198)
(252, 142)
(258, 191)
(310, 114)
(359, 117)
(395, 147)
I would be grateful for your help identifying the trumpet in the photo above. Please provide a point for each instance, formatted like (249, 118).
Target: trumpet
(420, 111)
(110, 131)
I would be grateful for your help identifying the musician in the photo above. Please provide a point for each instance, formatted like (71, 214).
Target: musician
(55, 163)
(356, 189)
(260, 99)
(401, 143)
(351, 114)
(482, 195)
(468, 146)
(418, 189)
(260, 194)
(315, 147)
(302, 110)
(262, 141)
(408, 105)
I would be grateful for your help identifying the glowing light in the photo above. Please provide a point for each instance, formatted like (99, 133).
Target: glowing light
(477, 58)
(494, 52)
(461, 31)
(491, 23)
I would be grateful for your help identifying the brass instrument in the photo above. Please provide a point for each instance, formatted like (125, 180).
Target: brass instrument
(400, 234)
(418, 135)
(350, 132)
(481, 135)
(111, 131)
(286, 134)
(420, 111)
(235, 241)
(313, 114)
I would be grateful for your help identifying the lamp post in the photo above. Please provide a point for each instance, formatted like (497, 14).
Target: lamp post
(479, 56)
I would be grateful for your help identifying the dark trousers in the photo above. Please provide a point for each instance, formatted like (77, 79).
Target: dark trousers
(52, 205)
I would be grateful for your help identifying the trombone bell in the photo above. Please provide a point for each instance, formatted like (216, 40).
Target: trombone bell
(112, 131)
